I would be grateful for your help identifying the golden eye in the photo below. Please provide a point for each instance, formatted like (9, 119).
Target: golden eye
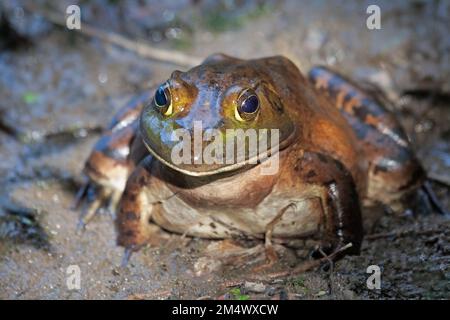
(163, 100)
(247, 106)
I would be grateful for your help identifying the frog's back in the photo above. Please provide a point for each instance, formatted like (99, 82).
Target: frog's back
(393, 169)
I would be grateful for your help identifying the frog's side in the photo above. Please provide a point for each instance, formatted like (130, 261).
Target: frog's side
(329, 158)
(393, 169)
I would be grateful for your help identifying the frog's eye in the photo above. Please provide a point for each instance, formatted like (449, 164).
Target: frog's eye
(247, 106)
(163, 100)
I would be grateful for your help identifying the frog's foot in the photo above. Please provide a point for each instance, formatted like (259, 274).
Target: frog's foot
(271, 258)
(220, 254)
(421, 201)
(229, 254)
(433, 199)
(157, 238)
(94, 198)
(270, 252)
(326, 261)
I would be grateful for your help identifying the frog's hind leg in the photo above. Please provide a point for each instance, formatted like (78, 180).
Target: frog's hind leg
(392, 169)
(110, 162)
(95, 197)
(434, 201)
(106, 171)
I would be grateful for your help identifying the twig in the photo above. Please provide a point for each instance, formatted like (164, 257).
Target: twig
(204, 298)
(232, 283)
(164, 294)
(139, 48)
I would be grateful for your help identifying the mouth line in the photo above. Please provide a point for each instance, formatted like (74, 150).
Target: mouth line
(226, 168)
(251, 162)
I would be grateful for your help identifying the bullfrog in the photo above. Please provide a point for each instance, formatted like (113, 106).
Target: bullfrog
(335, 147)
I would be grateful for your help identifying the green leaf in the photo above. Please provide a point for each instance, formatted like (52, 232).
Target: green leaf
(243, 297)
(30, 97)
(299, 281)
(235, 291)
(237, 294)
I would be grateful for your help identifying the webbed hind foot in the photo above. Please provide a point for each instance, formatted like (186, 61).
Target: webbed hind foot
(435, 203)
(94, 198)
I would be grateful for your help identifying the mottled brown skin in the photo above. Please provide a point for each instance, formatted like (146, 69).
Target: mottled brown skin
(334, 143)
(393, 168)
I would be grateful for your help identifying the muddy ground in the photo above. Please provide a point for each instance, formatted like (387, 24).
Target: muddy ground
(59, 89)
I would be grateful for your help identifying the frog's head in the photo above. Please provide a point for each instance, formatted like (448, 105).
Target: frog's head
(191, 113)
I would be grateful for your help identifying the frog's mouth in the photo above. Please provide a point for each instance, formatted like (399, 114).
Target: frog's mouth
(202, 170)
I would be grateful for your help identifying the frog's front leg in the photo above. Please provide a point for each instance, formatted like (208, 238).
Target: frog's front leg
(332, 183)
(133, 222)
(270, 252)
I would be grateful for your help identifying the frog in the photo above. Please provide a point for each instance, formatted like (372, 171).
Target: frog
(338, 148)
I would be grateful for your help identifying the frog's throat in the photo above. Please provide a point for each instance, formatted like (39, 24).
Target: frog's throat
(253, 161)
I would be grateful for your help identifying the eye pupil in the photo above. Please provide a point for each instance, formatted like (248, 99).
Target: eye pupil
(160, 97)
(250, 105)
